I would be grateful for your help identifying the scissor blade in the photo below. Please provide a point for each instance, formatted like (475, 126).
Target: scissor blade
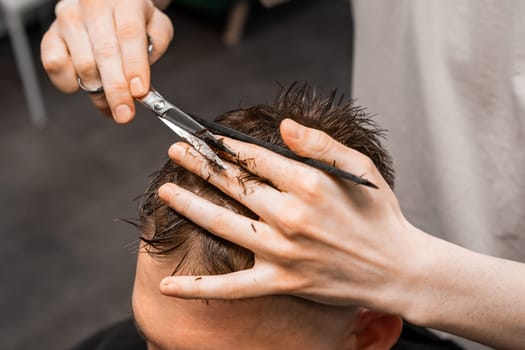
(183, 120)
(185, 126)
(188, 123)
(196, 142)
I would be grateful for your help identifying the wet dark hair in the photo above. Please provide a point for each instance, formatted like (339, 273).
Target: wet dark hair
(166, 233)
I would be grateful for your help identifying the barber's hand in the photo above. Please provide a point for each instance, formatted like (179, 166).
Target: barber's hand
(104, 43)
(319, 238)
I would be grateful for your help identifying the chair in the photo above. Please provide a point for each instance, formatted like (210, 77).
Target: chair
(13, 14)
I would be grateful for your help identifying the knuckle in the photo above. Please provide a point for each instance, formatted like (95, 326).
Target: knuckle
(59, 7)
(312, 185)
(163, 34)
(47, 39)
(106, 49)
(293, 220)
(294, 284)
(67, 88)
(129, 30)
(285, 251)
(169, 29)
(367, 164)
(54, 62)
(67, 12)
(219, 220)
(184, 206)
(135, 65)
(321, 143)
(118, 90)
(86, 68)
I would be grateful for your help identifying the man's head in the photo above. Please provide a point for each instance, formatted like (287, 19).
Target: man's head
(174, 245)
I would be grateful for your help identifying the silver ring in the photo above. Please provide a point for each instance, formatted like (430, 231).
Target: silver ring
(84, 88)
(150, 45)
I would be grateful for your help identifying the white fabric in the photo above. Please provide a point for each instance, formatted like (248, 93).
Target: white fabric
(447, 79)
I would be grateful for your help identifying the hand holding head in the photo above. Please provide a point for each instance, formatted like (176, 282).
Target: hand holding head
(270, 256)
(318, 237)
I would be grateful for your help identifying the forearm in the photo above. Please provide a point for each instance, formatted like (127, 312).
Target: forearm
(471, 295)
(162, 4)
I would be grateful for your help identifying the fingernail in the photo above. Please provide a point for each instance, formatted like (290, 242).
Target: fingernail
(166, 285)
(293, 130)
(166, 281)
(137, 87)
(122, 114)
(165, 191)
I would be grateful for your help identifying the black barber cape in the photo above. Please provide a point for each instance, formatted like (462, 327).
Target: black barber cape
(124, 336)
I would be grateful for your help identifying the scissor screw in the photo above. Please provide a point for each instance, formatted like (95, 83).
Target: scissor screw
(159, 105)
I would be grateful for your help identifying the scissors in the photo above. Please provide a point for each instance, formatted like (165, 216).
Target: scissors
(196, 132)
(186, 127)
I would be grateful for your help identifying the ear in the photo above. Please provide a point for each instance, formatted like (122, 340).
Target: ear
(375, 330)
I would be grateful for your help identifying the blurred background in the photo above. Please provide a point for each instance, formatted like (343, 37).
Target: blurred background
(66, 264)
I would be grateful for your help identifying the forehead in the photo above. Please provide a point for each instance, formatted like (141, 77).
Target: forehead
(173, 323)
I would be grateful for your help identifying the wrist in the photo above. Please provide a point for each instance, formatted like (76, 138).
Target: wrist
(416, 267)
(417, 297)
(404, 282)
(436, 285)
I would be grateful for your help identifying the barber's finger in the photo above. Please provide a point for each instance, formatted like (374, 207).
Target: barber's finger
(316, 144)
(101, 28)
(100, 101)
(57, 62)
(71, 25)
(248, 233)
(233, 181)
(160, 30)
(250, 283)
(131, 31)
(283, 173)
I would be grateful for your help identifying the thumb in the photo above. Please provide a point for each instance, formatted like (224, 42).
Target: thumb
(311, 143)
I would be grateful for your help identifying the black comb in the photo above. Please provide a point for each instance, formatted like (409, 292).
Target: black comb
(234, 134)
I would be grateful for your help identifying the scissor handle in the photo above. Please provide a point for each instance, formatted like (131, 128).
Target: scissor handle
(155, 102)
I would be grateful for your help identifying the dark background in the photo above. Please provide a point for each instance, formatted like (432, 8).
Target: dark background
(66, 265)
